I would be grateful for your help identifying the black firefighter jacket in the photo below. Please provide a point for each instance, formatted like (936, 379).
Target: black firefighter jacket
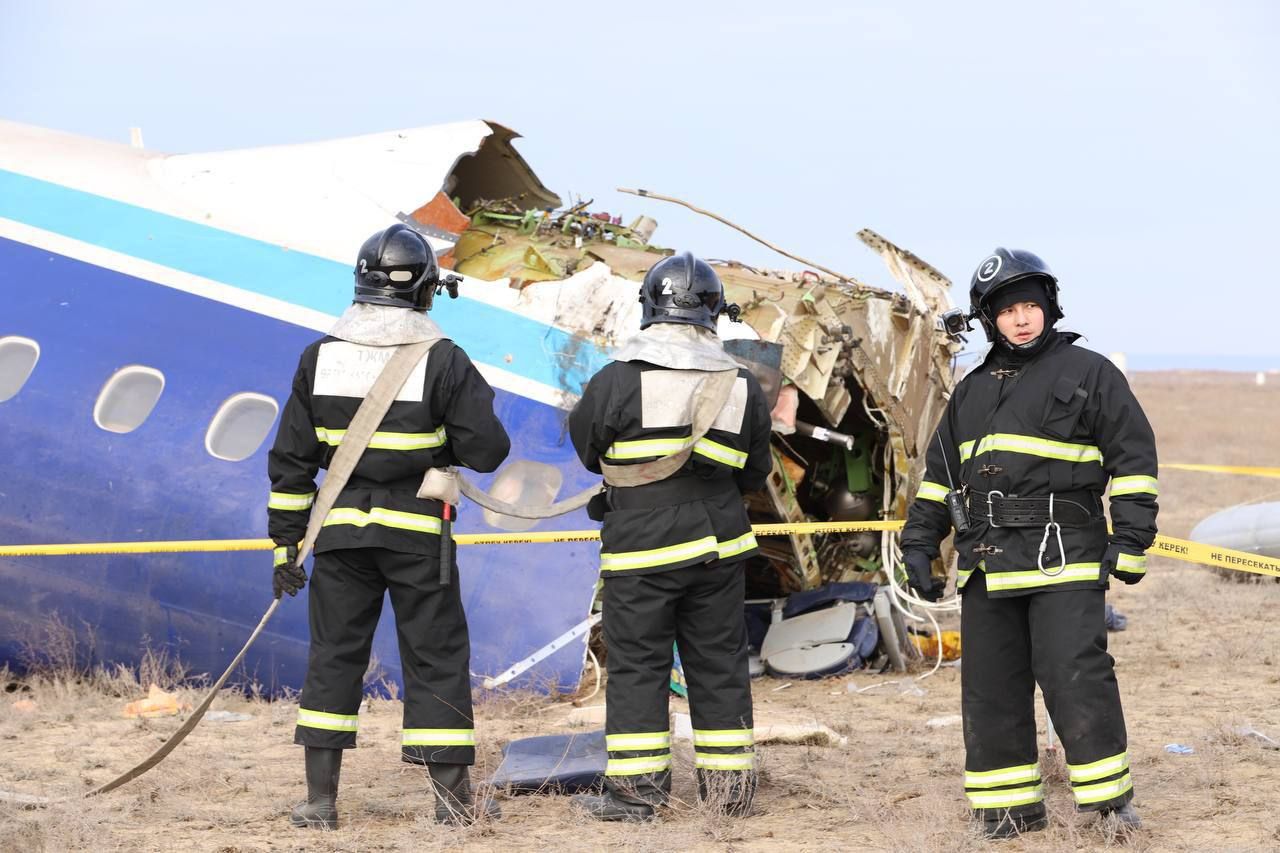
(443, 415)
(1063, 421)
(633, 412)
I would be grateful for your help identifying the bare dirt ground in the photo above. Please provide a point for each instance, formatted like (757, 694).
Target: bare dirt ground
(1198, 660)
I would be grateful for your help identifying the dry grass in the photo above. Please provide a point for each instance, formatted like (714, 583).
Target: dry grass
(1197, 663)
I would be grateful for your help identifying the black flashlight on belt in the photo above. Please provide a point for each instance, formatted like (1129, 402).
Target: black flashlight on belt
(959, 513)
(955, 498)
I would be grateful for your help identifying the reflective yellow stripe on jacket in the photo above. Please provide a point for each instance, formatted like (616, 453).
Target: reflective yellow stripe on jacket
(1134, 564)
(384, 517)
(678, 553)
(387, 440)
(286, 501)
(1030, 445)
(1136, 484)
(656, 447)
(932, 492)
(1073, 573)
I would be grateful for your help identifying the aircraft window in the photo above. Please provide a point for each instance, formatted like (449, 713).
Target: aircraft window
(18, 357)
(240, 426)
(128, 398)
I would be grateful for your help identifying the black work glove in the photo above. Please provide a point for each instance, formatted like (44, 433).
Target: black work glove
(1129, 568)
(288, 577)
(920, 575)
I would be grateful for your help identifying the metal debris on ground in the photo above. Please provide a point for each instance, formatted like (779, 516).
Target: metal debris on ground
(226, 717)
(1251, 733)
(943, 722)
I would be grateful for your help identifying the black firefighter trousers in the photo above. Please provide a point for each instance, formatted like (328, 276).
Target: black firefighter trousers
(701, 609)
(1057, 639)
(345, 600)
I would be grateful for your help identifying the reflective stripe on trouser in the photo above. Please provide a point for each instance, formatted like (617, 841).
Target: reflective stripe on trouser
(638, 753)
(1058, 639)
(328, 722)
(723, 749)
(344, 601)
(700, 609)
(1101, 780)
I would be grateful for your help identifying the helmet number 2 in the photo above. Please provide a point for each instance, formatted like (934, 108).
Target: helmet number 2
(666, 287)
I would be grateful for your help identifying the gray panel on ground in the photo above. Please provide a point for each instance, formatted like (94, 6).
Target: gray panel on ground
(833, 625)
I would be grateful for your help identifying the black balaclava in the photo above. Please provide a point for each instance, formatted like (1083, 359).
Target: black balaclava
(1030, 289)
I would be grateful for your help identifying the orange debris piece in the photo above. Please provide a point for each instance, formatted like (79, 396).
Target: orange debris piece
(928, 646)
(157, 704)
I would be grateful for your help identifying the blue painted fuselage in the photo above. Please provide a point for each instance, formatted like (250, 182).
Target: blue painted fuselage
(67, 480)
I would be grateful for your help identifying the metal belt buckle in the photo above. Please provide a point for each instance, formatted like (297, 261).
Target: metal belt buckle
(991, 510)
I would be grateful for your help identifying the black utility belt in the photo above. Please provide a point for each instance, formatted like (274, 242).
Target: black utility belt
(402, 484)
(1069, 509)
(668, 492)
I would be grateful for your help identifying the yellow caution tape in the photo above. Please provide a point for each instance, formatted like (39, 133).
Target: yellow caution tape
(194, 546)
(1226, 469)
(165, 547)
(1165, 546)
(1226, 558)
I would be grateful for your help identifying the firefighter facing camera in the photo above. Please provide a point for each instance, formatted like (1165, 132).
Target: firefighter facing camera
(1029, 442)
(380, 536)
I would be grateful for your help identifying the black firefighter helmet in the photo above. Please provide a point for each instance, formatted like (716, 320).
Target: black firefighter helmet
(683, 289)
(1002, 268)
(397, 267)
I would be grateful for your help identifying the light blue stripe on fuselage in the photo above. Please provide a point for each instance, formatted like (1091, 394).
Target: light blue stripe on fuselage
(490, 335)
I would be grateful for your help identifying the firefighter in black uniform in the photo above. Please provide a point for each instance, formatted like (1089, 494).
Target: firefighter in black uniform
(672, 551)
(1033, 436)
(380, 536)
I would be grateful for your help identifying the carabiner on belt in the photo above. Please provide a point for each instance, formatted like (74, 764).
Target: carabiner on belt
(1051, 527)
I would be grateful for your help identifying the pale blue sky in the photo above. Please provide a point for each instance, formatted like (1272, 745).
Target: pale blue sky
(1131, 144)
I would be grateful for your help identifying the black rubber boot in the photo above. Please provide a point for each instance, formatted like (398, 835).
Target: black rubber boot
(607, 806)
(320, 811)
(729, 791)
(1011, 826)
(1124, 819)
(454, 803)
